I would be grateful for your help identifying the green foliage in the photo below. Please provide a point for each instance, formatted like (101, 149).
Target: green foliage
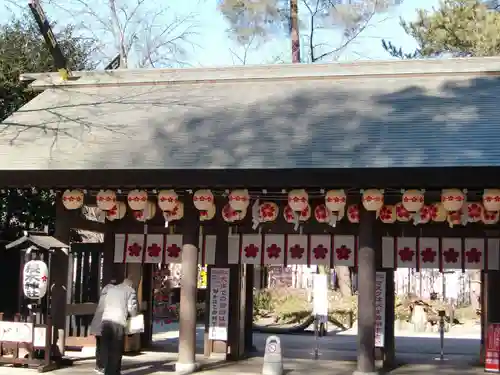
(263, 303)
(22, 50)
(458, 28)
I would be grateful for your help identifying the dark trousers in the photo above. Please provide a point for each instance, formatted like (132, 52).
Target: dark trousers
(112, 339)
(99, 362)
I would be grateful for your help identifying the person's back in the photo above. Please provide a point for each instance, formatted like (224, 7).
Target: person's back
(120, 303)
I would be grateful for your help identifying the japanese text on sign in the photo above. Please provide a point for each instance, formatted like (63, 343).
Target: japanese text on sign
(35, 278)
(219, 304)
(380, 283)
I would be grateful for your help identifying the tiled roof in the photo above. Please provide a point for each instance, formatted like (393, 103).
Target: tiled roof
(297, 121)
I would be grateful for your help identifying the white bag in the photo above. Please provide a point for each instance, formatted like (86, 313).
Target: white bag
(135, 324)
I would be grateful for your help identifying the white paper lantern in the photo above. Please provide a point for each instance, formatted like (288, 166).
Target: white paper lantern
(335, 200)
(491, 199)
(290, 217)
(72, 199)
(106, 199)
(118, 212)
(208, 214)
(425, 215)
(322, 214)
(176, 214)
(298, 199)
(387, 214)
(35, 279)
(268, 212)
(454, 218)
(413, 200)
(402, 214)
(373, 199)
(239, 200)
(452, 199)
(167, 200)
(490, 217)
(230, 215)
(203, 200)
(438, 213)
(146, 214)
(137, 200)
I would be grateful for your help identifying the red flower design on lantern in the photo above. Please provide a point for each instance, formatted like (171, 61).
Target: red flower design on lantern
(428, 255)
(44, 278)
(402, 212)
(385, 213)
(320, 252)
(473, 255)
(173, 251)
(406, 254)
(134, 250)
(267, 211)
(425, 214)
(450, 255)
(321, 213)
(154, 250)
(251, 251)
(296, 252)
(169, 199)
(474, 211)
(273, 251)
(353, 213)
(343, 252)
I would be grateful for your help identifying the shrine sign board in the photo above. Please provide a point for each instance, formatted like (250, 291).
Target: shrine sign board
(16, 332)
(219, 304)
(380, 284)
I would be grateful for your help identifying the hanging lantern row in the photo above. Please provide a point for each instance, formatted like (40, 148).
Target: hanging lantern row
(453, 207)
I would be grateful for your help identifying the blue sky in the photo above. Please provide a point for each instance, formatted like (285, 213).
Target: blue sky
(214, 46)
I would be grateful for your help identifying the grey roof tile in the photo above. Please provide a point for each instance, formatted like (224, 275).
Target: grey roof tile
(315, 122)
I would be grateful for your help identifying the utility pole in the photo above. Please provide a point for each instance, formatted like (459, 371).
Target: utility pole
(294, 31)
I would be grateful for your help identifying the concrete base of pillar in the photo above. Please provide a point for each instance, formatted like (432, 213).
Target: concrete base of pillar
(365, 373)
(186, 368)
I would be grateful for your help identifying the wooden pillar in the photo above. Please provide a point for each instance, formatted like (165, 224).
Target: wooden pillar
(186, 362)
(59, 268)
(366, 293)
(389, 337)
(250, 274)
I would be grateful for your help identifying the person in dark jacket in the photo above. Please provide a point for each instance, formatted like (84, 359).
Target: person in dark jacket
(96, 329)
(120, 304)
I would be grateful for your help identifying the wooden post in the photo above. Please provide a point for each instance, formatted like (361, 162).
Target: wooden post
(250, 274)
(186, 362)
(59, 276)
(390, 305)
(366, 294)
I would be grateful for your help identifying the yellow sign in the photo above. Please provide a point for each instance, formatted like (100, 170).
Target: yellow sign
(202, 277)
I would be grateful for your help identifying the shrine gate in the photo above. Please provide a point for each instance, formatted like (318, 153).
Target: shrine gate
(370, 165)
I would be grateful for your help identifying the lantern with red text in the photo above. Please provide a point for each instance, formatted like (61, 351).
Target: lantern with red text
(137, 200)
(490, 217)
(239, 200)
(335, 200)
(176, 214)
(147, 213)
(452, 199)
(118, 212)
(72, 199)
(474, 212)
(203, 200)
(438, 213)
(491, 199)
(413, 200)
(268, 212)
(353, 213)
(208, 214)
(167, 200)
(373, 199)
(230, 216)
(106, 199)
(298, 200)
(387, 214)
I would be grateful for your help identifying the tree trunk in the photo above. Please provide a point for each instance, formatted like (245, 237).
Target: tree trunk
(475, 289)
(344, 280)
(294, 31)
